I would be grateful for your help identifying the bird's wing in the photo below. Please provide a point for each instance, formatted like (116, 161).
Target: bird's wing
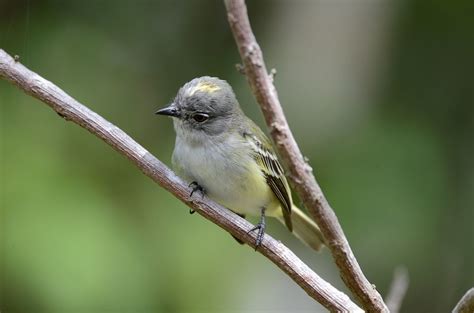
(271, 168)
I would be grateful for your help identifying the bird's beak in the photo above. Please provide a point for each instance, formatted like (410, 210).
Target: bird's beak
(169, 111)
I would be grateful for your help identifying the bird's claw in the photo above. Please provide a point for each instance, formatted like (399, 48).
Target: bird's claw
(196, 187)
(261, 232)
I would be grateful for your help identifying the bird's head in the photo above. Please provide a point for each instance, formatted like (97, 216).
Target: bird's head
(205, 106)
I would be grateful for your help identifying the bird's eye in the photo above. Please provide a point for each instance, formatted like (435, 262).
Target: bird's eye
(200, 117)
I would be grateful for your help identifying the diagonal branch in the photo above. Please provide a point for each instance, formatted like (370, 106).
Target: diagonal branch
(300, 172)
(72, 110)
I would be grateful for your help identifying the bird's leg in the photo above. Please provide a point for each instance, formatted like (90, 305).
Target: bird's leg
(261, 229)
(196, 187)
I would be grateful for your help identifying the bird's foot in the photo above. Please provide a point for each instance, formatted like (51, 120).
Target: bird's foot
(196, 187)
(261, 232)
(261, 229)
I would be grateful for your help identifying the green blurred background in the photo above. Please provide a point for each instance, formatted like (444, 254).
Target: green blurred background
(379, 95)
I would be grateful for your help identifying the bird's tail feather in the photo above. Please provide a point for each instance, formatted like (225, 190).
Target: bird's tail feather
(305, 229)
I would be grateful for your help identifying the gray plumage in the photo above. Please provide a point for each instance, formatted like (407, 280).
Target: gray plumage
(221, 149)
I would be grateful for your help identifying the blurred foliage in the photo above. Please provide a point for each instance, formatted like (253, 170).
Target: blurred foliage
(82, 230)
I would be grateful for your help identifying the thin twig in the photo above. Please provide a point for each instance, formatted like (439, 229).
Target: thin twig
(300, 172)
(466, 304)
(397, 290)
(72, 110)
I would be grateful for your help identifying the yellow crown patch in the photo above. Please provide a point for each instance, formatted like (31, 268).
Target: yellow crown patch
(204, 87)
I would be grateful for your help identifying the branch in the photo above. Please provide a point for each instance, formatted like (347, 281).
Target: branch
(300, 172)
(397, 290)
(466, 304)
(71, 110)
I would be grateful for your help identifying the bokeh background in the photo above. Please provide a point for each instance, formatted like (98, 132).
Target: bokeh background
(379, 95)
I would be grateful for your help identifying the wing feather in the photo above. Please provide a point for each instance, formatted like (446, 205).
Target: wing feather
(274, 174)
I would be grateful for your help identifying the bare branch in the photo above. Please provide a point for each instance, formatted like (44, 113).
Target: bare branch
(466, 304)
(397, 290)
(300, 172)
(71, 110)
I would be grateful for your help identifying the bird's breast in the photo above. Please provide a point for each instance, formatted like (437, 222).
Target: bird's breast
(227, 172)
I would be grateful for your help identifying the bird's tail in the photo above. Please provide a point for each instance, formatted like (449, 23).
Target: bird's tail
(305, 229)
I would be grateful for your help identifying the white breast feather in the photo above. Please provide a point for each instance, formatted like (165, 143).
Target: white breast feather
(226, 171)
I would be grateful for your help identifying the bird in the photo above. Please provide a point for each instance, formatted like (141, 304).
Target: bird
(225, 155)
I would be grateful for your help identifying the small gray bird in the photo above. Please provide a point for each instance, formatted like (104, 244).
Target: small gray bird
(223, 153)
